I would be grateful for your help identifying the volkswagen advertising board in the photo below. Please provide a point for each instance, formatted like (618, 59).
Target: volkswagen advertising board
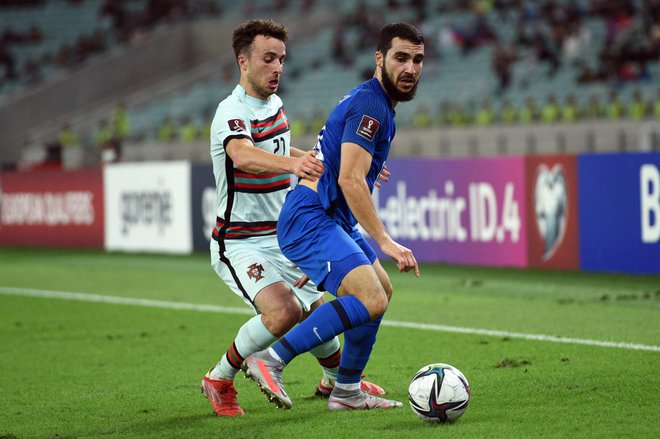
(619, 198)
(463, 211)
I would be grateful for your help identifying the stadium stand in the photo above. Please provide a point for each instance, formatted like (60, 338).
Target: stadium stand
(487, 60)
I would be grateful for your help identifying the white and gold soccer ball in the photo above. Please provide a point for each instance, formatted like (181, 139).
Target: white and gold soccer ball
(439, 393)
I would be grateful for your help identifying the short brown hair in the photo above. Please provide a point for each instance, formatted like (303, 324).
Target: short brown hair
(245, 34)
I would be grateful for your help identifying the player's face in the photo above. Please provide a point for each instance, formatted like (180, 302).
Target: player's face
(263, 67)
(401, 69)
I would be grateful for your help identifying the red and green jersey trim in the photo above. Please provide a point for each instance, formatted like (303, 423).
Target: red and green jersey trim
(262, 130)
(260, 183)
(242, 230)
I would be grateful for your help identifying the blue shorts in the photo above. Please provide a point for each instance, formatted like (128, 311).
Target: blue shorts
(311, 239)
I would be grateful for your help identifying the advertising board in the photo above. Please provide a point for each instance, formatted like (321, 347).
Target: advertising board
(52, 208)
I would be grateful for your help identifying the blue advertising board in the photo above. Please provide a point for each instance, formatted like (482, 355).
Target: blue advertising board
(203, 205)
(619, 202)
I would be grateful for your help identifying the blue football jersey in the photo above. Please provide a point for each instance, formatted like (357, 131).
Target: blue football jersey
(365, 116)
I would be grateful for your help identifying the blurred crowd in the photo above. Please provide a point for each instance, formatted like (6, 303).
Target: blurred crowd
(126, 24)
(553, 35)
(553, 110)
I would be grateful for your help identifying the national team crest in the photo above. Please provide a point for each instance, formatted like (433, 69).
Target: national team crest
(236, 125)
(255, 271)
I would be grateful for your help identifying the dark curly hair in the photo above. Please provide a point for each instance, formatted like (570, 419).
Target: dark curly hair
(245, 34)
(405, 31)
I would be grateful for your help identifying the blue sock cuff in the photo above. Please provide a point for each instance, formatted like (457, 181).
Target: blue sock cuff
(353, 310)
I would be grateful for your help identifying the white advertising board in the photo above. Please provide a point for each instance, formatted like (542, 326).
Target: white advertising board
(148, 207)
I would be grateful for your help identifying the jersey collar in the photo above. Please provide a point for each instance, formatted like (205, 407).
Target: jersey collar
(242, 94)
(376, 85)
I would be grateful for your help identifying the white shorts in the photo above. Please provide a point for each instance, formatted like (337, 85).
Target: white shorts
(249, 265)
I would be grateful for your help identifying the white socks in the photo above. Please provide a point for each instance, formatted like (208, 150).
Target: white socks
(252, 337)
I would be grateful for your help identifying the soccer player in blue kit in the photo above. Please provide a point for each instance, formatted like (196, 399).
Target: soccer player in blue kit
(317, 228)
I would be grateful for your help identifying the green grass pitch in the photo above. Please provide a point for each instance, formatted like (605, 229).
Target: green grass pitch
(80, 369)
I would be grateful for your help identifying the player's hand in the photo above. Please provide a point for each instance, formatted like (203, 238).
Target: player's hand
(404, 258)
(307, 166)
(384, 176)
(302, 281)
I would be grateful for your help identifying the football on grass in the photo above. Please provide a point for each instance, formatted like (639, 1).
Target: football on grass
(439, 393)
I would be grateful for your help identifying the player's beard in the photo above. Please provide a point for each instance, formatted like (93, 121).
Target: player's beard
(394, 93)
(263, 91)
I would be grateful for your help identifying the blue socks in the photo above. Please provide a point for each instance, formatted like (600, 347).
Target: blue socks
(327, 321)
(358, 344)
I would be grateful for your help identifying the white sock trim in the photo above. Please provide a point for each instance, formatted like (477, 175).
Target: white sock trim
(348, 386)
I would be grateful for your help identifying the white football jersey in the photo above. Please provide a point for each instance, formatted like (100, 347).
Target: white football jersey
(248, 205)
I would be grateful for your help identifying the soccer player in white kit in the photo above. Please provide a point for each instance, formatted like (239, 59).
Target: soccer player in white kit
(252, 162)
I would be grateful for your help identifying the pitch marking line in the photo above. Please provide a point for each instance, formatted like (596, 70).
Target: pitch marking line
(83, 297)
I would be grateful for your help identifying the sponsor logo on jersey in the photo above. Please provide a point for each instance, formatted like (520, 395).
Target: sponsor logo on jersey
(236, 125)
(255, 272)
(368, 127)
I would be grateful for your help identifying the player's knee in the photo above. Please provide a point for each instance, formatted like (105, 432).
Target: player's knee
(281, 319)
(380, 306)
(375, 301)
(389, 289)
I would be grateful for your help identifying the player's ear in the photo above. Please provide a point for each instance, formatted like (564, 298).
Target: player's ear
(380, 59)
(242, 61)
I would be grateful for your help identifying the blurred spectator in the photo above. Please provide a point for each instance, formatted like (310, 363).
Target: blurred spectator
(205, 131)
(31, 74)
(529, 112)
(615, 108)
(550, 111)
(422, 117)
(110, 151)
(52, 160)
(339, 46)
(120, 124)
(187, 130)
(546, 49)
(508, 113)
(571, 110)
(116, 11)
(656, 105)
(594, 109)
(7, 60)
(485, 115)
(502, 59)
(476, 33)
(458, 116)
(298, 128)
(68, 137)
(166, 130)
(445, 110)
(317, 122)
(104, 133)
(638, 108)
(574, 44)
(587, 74)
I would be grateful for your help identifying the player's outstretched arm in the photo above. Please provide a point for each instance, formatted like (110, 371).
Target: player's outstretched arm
(355, 164)
(248, 158)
